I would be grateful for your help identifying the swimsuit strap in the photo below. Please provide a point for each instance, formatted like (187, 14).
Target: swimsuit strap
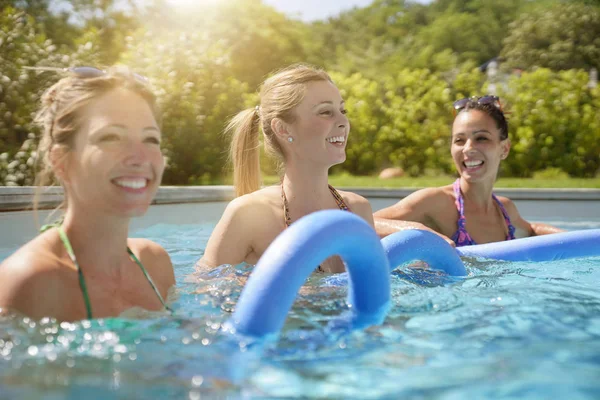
(286, 211)
(461, 237)
(139, 263)
(86, 298)
(339, 200)
(69, 248)
(511, 228)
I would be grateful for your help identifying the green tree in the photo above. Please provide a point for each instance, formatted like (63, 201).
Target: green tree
(196, 93)
(21, 46)
(564, 36)
(554, 122)
(363, 98)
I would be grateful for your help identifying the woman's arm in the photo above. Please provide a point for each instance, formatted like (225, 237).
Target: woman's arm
(385, 227)
(412, 212)
(230, 241)
(540, 228)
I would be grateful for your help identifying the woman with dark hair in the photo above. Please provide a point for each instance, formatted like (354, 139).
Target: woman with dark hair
(467, 212)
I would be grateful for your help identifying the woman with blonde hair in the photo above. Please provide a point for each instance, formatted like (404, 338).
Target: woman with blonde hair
(304, 124)
(101, 141)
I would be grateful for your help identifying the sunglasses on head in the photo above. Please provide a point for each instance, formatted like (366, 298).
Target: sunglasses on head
(489, 99)
(84, 72)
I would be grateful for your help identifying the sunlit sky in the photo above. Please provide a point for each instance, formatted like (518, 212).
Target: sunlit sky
(306, 10)
(311, 10)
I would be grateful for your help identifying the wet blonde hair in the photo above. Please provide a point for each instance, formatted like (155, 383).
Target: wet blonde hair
(279, 96)
(62, 105)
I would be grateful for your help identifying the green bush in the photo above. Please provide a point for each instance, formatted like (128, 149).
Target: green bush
(550, 173)
(206, 68)
(20, 89)
(196, 95)
(554, 122)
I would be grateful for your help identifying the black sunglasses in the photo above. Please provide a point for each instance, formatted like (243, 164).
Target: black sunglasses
(84, 72)
(489, 99)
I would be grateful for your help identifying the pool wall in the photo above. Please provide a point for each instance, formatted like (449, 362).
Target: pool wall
(205, 204)
(21, 197)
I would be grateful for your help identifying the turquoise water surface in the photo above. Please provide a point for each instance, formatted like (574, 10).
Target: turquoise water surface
(509, 330)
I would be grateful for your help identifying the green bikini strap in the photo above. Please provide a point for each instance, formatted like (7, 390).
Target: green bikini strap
(65, 239)
(139, 263)
(71, 253)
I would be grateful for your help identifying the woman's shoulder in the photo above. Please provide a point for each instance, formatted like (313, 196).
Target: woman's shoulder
(43, 254)
(506, 202)
(510, 207)
(430, 196)
(146, 247)
(155, 260)
(358, 205)
(37, 270)
(257, 204)
(353, 199)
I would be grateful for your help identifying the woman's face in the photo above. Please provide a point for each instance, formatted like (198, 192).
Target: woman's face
(320, 129)
(476, 146)
(116, 163)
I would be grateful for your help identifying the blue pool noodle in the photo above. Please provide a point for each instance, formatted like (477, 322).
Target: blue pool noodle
(420, 245)
(558, 246)
(286, 264)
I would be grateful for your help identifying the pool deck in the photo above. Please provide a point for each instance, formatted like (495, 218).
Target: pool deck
(21, 198)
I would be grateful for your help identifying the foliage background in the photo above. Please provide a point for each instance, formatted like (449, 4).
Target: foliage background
(399, 64)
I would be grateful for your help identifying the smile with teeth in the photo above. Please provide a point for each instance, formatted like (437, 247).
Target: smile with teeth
(336, 139)
(131, 183)
(473, 164)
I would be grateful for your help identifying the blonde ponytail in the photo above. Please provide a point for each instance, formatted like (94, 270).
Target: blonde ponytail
(244, 151)
(279, 96)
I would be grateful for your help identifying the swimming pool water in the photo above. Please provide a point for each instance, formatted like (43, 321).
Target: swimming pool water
(509, 330)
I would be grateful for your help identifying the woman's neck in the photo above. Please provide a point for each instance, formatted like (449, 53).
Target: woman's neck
(306, 187)
(98, 240)
(478, 194)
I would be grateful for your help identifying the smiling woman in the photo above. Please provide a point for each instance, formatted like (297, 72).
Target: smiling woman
(304, 124)
(101, 141)
(467, 212)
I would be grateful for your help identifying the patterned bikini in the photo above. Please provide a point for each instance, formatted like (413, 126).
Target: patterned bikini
(461, 237)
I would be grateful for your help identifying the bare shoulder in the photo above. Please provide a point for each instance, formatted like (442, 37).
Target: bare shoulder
(523, 227)
(509, 205)
(262, 201)
(354, 200)
(43, 253)
(156, 260)
(34, 278)
(433, 195)
(358, 205)
(243, 227)
(418, 204)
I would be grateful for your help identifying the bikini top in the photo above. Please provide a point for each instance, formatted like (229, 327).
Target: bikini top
(338, 199)
(86, 298)
(461, 237)
(286, 212)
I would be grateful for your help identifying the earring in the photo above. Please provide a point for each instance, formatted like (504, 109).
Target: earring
(290, 139)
